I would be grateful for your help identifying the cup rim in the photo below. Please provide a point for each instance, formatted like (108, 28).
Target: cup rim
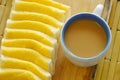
(68, 52)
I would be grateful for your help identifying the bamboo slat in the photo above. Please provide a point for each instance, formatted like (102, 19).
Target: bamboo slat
(1, 11)
(107, 9)
(4, 2)
(5, 16)
(105, 70)
(119, 25)
(99, 70)
(0, 2)
(112, 14)
(114, 57)
(117, 72)
(114, 29)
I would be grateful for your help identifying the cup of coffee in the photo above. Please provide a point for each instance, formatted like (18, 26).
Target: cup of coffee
(85, 38)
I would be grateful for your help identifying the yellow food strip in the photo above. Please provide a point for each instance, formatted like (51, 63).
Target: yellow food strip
(117, 72)
(17, 74)
(27, 55)
(30, 34)
(35, 17)
(53, 4)
(21, 64)
(32, 44)
(39, 8)
(34, 25)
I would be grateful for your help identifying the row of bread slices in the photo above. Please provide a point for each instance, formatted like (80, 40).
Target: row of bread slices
(30, 40)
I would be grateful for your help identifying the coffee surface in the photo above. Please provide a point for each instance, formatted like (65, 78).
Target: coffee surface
(85, 38)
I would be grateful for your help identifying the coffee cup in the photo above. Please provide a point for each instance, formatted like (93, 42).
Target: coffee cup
(83, 61)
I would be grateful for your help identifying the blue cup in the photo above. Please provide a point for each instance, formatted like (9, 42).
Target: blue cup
(80, 61)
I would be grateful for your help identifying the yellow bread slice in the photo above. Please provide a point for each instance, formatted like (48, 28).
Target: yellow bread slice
(28, 55)
(53, 4)
(35, 17)
(21, 64)
(30, 34)
(31, 44)
(39, 8)
(34, 25)
(17, 74)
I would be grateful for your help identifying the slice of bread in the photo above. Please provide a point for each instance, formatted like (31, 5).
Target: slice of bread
(16, 15)
(55, 4)
(25, 65)
(30, 34)
(34, 25)
(31, 44)
(17, 74)
(39, 8)
(28, 55)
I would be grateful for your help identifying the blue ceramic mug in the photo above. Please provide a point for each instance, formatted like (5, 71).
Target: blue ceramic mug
(80, 61)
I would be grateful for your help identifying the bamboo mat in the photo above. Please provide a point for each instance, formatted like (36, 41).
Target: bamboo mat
(65, 70)
(109, 67)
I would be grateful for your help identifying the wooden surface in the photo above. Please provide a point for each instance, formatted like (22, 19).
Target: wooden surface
(65, 70)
